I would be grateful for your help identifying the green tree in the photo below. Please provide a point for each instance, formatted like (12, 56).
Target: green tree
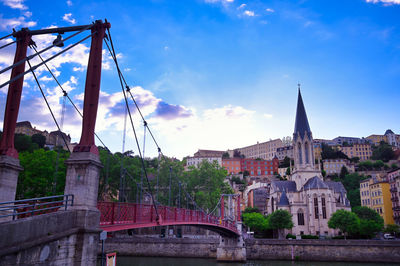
(225, 155)
(39, 139)
(329, 153)
(279, 220)
(370, 221)
(382, 152)
(343, 172)
(392, 229)
(351, 183)
(256, 221)
(394, 166)
(345, 221)
(23, 143)
(37, 178)
(251, 209)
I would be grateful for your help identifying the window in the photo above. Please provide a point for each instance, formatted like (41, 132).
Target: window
(300, 218)
(306, 152)
(316, 208)
(300, 153)
(323, 208)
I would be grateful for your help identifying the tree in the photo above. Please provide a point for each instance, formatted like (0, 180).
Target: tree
(279, 220)
(39, 173)
(370, 221)
(392, 229)
(39, 139)
(351, 183)
(288, 171)
(251, 209)
(382, 152)
(225, 155)
(394, 166)
(345, 221)
(329, 153)
(285, 163)
(256, 221)
(343, 172)
(22, 143)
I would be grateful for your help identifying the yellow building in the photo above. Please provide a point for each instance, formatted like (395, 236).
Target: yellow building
(376, 139)
(375, 194)
(362, 151)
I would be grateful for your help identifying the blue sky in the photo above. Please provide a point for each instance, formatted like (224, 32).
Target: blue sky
(222, 74)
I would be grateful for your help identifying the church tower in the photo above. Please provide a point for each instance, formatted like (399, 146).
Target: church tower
(303, 148)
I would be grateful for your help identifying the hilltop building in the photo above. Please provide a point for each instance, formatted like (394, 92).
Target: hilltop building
(334, 166)
(309, 198)
(265, 150)
(254, 167)
(205, 155)
(389, 137)
(394, 182)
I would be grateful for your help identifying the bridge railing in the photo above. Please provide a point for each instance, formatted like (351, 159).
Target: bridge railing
(122, 213)
(36, 206)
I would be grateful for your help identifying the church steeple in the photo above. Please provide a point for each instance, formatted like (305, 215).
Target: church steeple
(301, 126)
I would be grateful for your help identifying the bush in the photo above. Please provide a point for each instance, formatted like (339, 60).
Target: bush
(309, 237)
(290, 236)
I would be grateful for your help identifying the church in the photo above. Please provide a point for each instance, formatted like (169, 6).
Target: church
(306, 195)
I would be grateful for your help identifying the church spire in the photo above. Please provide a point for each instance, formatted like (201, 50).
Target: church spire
(301, 124)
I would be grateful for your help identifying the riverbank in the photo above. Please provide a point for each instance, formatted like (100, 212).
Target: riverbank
(261, 249)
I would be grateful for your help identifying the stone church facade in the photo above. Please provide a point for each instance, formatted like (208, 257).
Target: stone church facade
(306, 195)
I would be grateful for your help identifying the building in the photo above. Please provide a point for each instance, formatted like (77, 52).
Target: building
(196, 160)
(54, 138)
(375, 194)
(265, 150)
(343, 141)
(254, 167)
(209, 153)
(232, 165)
(334, 166)
(394, 182)
(362, 151)
(286, 151)
(309, 198)
(389, 137)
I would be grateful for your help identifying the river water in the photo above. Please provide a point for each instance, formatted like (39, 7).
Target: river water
(148, 261)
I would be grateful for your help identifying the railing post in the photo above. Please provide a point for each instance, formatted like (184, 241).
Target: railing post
(112, 212)
(238, 209)
(222, 207)
(134, 212)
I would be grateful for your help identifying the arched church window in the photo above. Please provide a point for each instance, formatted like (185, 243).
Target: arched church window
(323, 208)
(300, 152)
(272, 203)
(306, 150)
(300, 217)
(316, 212)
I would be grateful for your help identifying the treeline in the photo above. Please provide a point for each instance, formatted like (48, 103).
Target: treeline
(122, 176)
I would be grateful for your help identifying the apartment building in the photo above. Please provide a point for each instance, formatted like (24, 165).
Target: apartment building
(394, 182)
(334, 166)
(362, 151)
(265, 150)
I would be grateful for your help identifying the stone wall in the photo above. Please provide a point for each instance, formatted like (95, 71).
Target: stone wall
(60, 238)
(265, 249)
(162, 247)
(324, 250)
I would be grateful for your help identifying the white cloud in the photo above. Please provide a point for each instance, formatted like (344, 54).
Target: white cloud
(249, 13)
(69, 3)
(385, 2)
(9, 23)
(270, 10)
(15, 4)
(28, 14)
(268, 116)
(241, 6)
(219, 1)
(68, 18)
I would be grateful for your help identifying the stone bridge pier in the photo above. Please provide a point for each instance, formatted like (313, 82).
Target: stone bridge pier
(232, 249)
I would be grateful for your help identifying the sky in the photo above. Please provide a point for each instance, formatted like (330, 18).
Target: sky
(218, 74)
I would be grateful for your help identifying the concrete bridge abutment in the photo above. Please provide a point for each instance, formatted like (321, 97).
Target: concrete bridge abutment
(232, 249)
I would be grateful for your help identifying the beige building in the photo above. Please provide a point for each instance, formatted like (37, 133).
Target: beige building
(309, 198)
(265, 150)
(389, 137)
(334, 166)
(362, 151)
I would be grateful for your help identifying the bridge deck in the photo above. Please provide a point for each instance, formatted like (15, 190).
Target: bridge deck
(117, 216)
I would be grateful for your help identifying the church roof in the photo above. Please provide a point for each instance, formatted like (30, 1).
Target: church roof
(315, 183)
(289, 186)
(389, 131)
(336, 186)
(301, 125)
(283, 201)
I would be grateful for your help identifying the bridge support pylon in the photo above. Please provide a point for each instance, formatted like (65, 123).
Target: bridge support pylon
(232, 249)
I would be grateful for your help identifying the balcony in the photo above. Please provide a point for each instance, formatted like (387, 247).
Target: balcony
(393, 189)
(394, 199)
(397, 208)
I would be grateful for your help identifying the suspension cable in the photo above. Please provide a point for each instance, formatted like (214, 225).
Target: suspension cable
(133, 128)
(9, 35)
(66, 94)
(47, 103)
(42, 51)
(40, 64)
(5, 45)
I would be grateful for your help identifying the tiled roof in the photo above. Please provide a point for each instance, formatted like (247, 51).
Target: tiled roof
(315, 183)
(301, 124)
(336, 186)
(289, 186)
(283, 201)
